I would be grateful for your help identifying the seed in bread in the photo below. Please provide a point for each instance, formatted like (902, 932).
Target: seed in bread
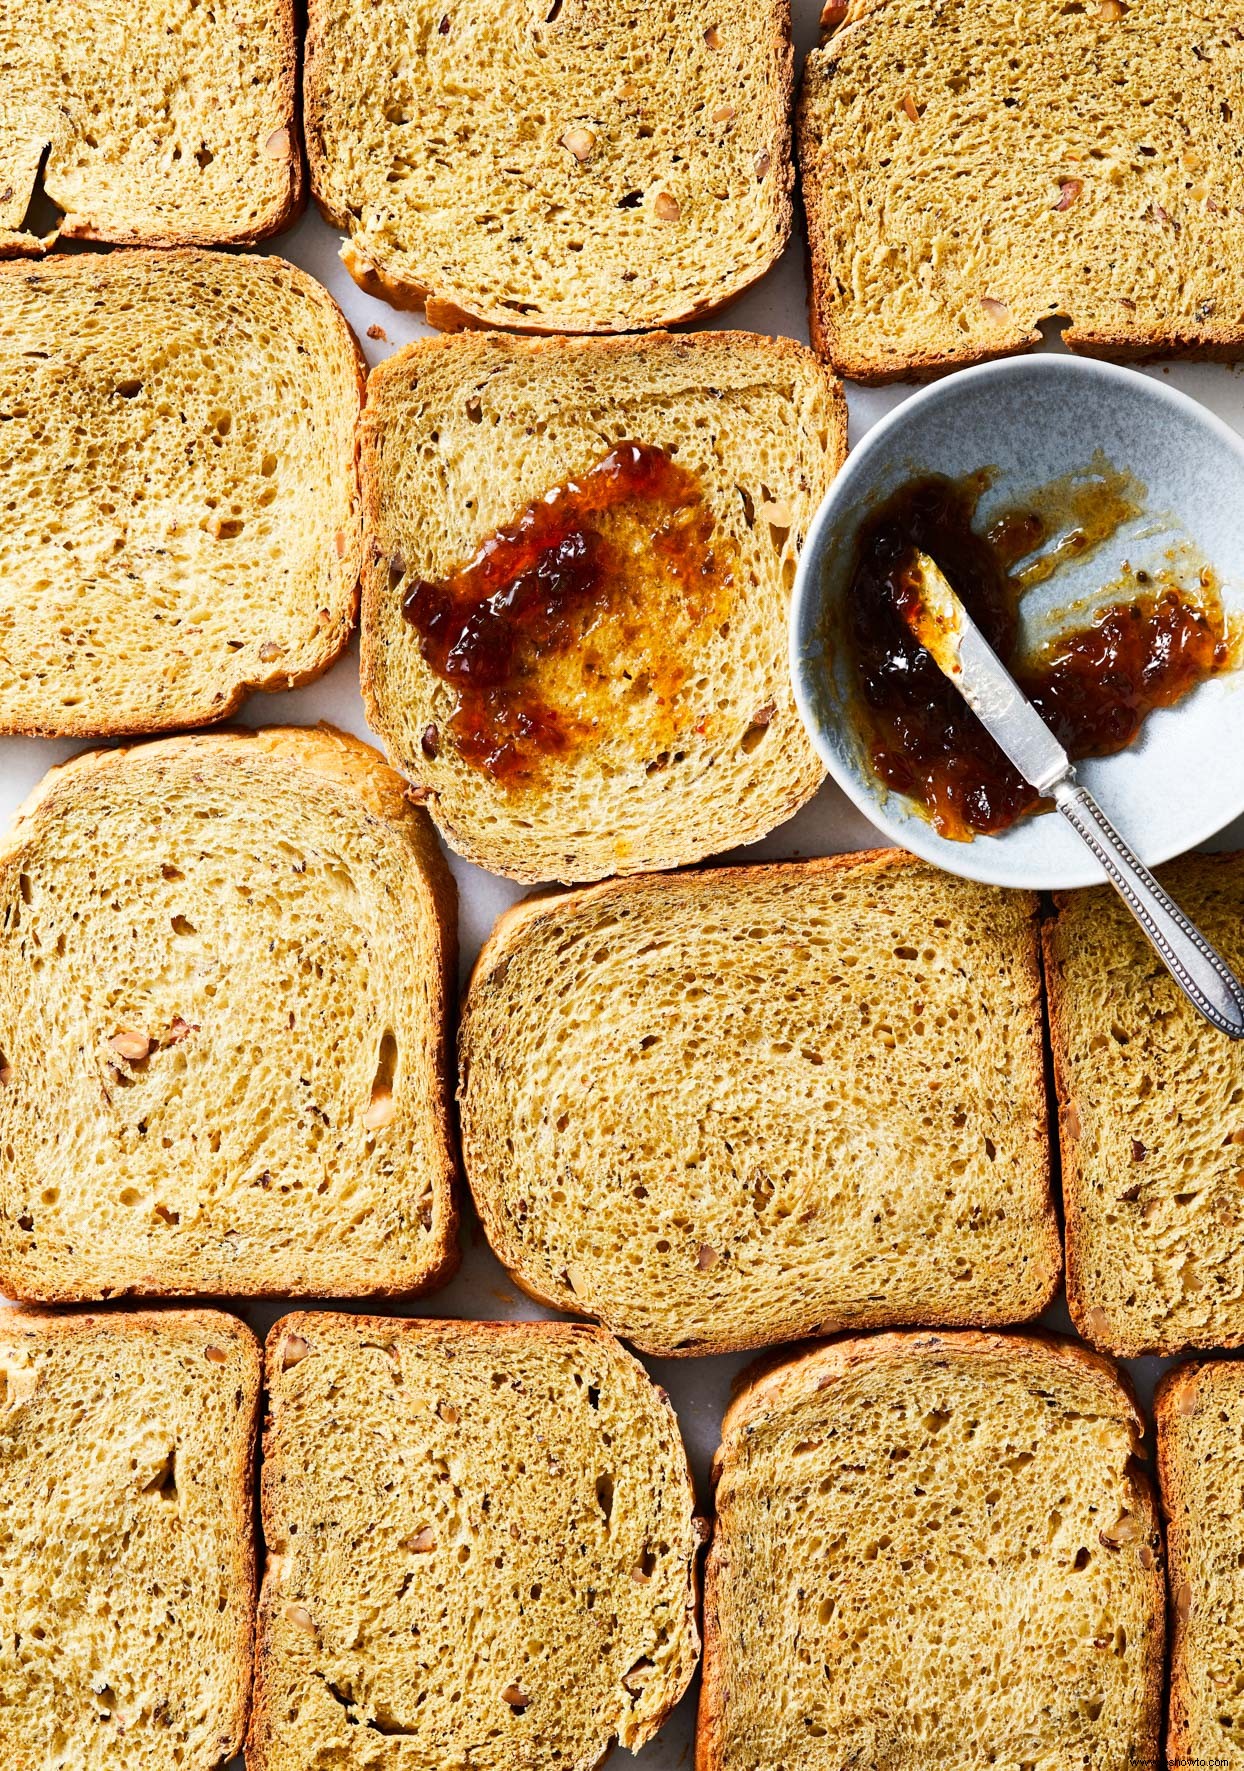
(159, 125)
(1151, 1123)
(223, 986)
(1199, 1410)
(732, 1107)
(664, 723)
(569, 166)
(970, 170)
(182, 521)
(127, 1559)
(481, 1543)
(933, 1549)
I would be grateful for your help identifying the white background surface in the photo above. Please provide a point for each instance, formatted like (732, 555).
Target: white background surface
(698, 1387)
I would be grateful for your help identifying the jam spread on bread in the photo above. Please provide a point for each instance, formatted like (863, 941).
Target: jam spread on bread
(583, 614)
(1094, 684)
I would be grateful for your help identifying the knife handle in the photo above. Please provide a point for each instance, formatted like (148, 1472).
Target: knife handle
(1198, 968)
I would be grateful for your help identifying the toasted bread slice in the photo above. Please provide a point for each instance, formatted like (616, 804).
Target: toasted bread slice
(563, 167)
(933, 1550)
(127, 1560)
(669, 695)
(1199, 1411)
(183, 521)
(508, 1508)
(970, 170)
(727, 1108)
(172, 124)
(223, 987)
(1151, 1122)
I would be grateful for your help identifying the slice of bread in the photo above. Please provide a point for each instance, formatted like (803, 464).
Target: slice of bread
(1199, 1410)
(933, 1550)
(223, 986)
(970, 170)
(481, 1548)
(127, 1558)
(727, 1108)
(182, 516)
(687, 740)
(1151, 1122)
(562, 166)
(168, 124)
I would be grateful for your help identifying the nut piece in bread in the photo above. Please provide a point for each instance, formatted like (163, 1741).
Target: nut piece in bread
(565, 166)
(481, 1543)
(971, 169)
(732, 1107)
(183, 518)
(155, 125)
(127, 1560)
(223, 983)
(1199, 1411)
(933, 1549)
(688, 740)
(1151, 1122)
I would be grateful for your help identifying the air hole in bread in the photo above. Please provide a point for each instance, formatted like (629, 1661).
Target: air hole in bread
(604, 1494)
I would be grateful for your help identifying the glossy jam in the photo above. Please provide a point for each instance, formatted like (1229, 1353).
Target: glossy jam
(583, 614)
(1094, 684)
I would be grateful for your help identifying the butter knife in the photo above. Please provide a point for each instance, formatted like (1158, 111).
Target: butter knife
(938, 619)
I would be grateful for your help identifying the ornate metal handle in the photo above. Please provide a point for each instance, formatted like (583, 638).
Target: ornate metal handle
(1199, 969)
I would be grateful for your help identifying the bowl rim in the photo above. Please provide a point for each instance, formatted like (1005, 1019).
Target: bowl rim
(913, 833)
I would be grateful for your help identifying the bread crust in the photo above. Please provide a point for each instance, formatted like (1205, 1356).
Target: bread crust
(282, 215)
(450, 315)
(1213, 341)
(1092, 1320)
(508, 932)
(220, 1325)
(763, 1389)
(346, 761)
(262, 1728)
(119, 724)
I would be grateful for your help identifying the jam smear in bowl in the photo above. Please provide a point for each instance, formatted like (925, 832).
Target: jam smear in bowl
(587, 610)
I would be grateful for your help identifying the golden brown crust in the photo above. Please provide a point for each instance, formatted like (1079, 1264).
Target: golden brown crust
(118, 725)
(217, 1326)
(514, 923)
(346, 761)
(450, 316)
(762, 1390)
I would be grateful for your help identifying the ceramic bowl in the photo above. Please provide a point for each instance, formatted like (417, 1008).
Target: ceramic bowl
(1032, 420)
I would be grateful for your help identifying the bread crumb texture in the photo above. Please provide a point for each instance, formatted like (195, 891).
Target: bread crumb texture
(553, 165)
(1151, 1123)
(181, 517)
(741, 1106)
(222, 1005)
(127, 1557)
(933, 1550)
(162, 125)
(459, 436)
(481, 1548)
(971, 169)
(1200, 1419)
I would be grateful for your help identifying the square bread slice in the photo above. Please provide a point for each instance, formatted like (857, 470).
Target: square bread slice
(552, 165)
(1151, 1122)
(127, 1558)
(182, 516)
(653, 722)
(166, 124)
(224, 976)
(1199, 1410)
(732, 1107)
(481, 1548)
(971, 169)
(933, 1550)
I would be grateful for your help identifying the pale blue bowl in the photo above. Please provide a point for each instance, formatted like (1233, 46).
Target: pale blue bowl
(1033, 419)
